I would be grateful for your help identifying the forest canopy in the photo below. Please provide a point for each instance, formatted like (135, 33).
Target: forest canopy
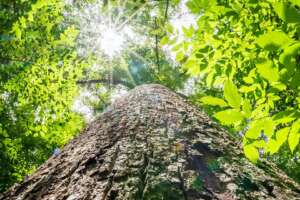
(63, 62)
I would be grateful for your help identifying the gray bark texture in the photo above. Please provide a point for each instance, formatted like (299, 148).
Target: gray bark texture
(152, 144)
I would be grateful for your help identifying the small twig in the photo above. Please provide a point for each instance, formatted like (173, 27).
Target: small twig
(166, 11)
(91, 81)
(156, 46)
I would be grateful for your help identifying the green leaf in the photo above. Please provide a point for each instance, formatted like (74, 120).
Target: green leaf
(188, 32)
(179, 56)
(192, 67)
(16, 29)
(273, 146)
(284, 117)
(287, 13)
(259, 144)
(296, 2)
(194, 6)
(273, 40)
(228, 117)
(213, 101)
(247, 108)
(164, 40)
(278, 85)
(232, 95)
(254, 130)
(267, 70)
(22, 22)
(248, 80)
(251, 153)
(282, 134)
(288, 57)
(294, 136)
(170, 28)
(30, 16)
(268, 126)
(247, 89)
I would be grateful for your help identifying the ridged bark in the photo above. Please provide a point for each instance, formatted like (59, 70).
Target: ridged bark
(152, 144)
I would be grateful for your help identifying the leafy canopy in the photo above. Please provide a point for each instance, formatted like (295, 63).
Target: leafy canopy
(246, 57)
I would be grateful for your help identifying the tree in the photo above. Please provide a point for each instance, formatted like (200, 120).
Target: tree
(153, 144)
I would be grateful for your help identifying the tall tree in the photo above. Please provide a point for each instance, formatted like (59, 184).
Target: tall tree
(152, 144)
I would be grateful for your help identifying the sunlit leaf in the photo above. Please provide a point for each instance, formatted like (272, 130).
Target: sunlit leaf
(179, 56)
(288, 57)
(251, 153)
(247, 108)
(294, 136)
(278, 85)
(284, 117)
(268, 126)
(229, 116)
(232, 95)
(164, 41)
(192, 67)
(254, 130)
(259, 144)
(296, 2)
(273, 40)
(273, 146)
(287, 13)
(267, 70)
(282, 134)
(213, 101)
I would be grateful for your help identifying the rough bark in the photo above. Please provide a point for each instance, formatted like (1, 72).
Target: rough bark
(152, 144)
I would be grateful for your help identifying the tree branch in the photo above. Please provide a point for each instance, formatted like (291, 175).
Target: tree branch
(105, 81)
(166, 11)
(156, 47)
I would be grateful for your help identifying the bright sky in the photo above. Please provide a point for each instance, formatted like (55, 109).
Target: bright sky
(104, 34)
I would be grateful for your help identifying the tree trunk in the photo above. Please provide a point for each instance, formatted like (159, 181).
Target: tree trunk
(152, 144)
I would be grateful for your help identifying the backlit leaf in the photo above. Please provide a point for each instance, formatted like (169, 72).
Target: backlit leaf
(229, 116)
(288, 57)
(268, 126)
(254, 130)
(247, 108)
(213, 101)
(267, 70)
(273, 146)
(251, 153)
(287, 13)
(293, 138)
(282, 134)
(273, 40)
(232, 95)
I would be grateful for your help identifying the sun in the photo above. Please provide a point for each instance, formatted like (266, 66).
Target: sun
(112, 42)
(104, 31)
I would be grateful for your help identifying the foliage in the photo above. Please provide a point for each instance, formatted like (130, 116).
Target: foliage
(37, 84)
(247, 52)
